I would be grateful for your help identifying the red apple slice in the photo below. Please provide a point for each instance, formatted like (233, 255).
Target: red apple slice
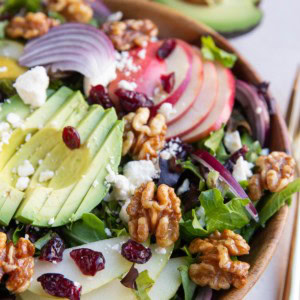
(180, 63)
(202, 106)
(189, 96)
(222, 109)
(147, 77)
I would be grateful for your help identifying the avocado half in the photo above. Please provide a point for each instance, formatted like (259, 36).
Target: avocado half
(229, 17)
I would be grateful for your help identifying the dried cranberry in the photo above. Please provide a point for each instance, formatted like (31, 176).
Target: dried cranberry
(59, 286)
(165, 49)
(71, 137)
(168, 82)
(89, 262)
(130, 100)
(229, 164)
(136, 252)
(98, 95)
(53, 250)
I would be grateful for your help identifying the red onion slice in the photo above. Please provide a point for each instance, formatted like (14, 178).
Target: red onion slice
(73, 47)
(212, 163)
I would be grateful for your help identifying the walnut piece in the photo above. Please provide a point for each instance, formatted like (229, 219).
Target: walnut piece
(72, 10)
(17, 262)
(215, 266)
(144, 137)
(275, 172)
(154, 214)
(31, 26)
(128, 34)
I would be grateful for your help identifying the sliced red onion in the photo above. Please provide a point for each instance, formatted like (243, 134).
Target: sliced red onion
(99, 8)
(73, 47)
(255, 110)
(212, 163)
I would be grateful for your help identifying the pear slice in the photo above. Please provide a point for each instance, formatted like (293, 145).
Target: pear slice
(115, 266)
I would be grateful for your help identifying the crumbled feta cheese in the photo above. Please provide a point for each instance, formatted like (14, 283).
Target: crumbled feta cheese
(26, 169)
(167, 110)
(142, 54)
(28, 137)
(14, 120)
(161, 250)
(26, 237)
(32, 86)
(242, 169)
(3, 69)
(166, 155)
(22, 183)
(130, 86)
(184, 187)
(140, 171)
(124, 63)
(51, 221)
(108, 232)
(46, 175)
(117, 16)
(232, 141)
(123, 212)
(172, 148)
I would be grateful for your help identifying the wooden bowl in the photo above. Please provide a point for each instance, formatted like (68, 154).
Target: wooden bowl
(173, 24)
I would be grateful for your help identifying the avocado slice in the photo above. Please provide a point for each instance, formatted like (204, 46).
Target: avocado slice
(36, 195)
(225, 16)
(38, 147)
(37, 119)
(70, 172)
(86, 195)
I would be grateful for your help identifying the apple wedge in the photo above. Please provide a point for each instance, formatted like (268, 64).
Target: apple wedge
(146, 78)
(169, 280)
(179, 63)
(201, 107)
(222, 109)
(115, 266)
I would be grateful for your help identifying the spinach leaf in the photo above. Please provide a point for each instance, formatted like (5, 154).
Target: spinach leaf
(253, 146)
(87, 230)
(143, 284)
(220, 216)
(189, 286)
(211, 52)
(188, 165)
(191, 228)
(13, 6)
(276, 200)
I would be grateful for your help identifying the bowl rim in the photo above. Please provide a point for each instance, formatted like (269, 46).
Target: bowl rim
(267, 244)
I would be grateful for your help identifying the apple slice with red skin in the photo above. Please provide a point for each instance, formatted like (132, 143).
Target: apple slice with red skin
(189, 96)
(222, 109)
(202, 106)
(180, 63)
(147, 78)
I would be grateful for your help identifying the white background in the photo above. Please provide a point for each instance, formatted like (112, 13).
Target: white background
(274, 50)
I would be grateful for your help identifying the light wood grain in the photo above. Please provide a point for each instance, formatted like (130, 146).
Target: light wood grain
(173, 24)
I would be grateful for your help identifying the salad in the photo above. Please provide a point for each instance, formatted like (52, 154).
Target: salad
(131, 167)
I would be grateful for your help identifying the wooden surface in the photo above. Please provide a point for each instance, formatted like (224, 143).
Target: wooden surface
(172, 24)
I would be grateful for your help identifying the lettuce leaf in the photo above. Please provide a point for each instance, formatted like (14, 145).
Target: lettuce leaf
(211, 52)
(220, 216)
(13, 6)
(189, 286)
(143, 283)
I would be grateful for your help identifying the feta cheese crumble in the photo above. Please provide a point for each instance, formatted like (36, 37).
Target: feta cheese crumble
(184, 187)
(172, 148)
(32, 86)
(108, 232)
(130, 86)
(242, 170)
(167, 110)
(14, 120)
(232, 141)
(117, 16)
(26, 169)
(22, 183)
(46, 175)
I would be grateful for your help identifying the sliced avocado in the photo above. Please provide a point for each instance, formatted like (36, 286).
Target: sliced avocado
(37, 119)
(65, 179)
(225, 16)
(36, 195)
(86, 195)
(39, 146)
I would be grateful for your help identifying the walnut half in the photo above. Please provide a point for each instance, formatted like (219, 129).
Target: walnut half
(17, 261)
(275, 172)
(215, 266)
(154, 213)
